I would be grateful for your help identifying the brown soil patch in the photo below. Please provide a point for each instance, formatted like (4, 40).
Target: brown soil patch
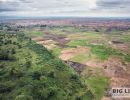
(36, 38)
(122, 82)
(118, 71)
(71, 52)
(94, 63)
(60, 39)
(46, 42)
(114, 68)
(106, 98)
(49, 44)
(122, 47)
(76, 36)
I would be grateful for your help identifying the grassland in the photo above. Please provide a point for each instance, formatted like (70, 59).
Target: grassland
(100, 87)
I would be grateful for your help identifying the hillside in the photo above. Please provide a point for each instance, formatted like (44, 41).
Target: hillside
(28, 71)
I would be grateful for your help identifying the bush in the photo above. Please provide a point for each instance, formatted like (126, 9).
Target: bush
(28, 64)
(5, 88)
(17, 73)
(75, 77)
(51, 74)
(13, 51)
(36, 75)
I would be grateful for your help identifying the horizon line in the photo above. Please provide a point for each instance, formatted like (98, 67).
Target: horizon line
(42, 17)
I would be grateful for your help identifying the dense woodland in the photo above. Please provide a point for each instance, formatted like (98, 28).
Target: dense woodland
(28, 71)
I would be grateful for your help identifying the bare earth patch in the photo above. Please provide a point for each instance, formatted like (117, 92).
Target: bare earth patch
(36, 38)
(114, 68)
(69, 53)
(106, 98)
(118, 71)
(122, 47)
(119, 81)
(94, 63)
(49, 44)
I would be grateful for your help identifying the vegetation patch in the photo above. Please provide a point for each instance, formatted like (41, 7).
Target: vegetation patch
(97, 82)
(125, 38)
(103, 52)
(81, 58)
(127, 57)
(75, 43)
(98, 85)
(32, 32)
(56, 51)
(92, 34)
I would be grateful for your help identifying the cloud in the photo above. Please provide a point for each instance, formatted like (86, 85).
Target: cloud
(9, 5)
(113, 4)
(64, 8)
(109, 4)
(6, 10)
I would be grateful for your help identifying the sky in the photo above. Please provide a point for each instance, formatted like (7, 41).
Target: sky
(85, 8)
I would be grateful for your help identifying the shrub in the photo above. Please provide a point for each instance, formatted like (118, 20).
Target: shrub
(28, 64)
(52, 74)
(13, 51)
(75, 77)
(36, 75)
